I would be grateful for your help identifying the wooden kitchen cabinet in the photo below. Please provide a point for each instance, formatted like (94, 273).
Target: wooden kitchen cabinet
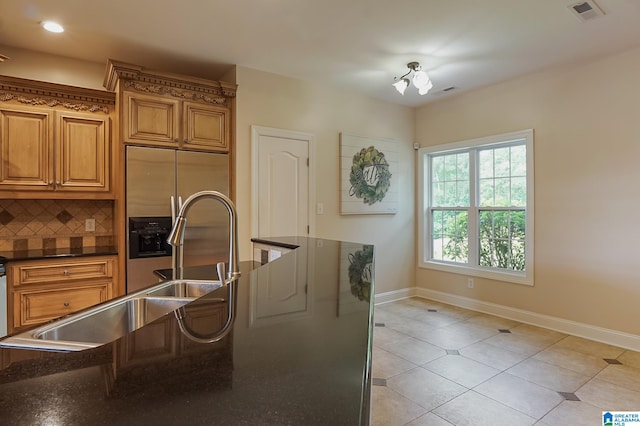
(164, 122)
(35, 158)
(26, 146)
(172, 111)
(51, 146)
(42, 290)
(83, 160)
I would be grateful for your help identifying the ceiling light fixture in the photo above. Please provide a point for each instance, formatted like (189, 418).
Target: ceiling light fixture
(53, 27)
(420, 80)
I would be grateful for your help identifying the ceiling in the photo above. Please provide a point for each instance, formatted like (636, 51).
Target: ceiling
(357, 44)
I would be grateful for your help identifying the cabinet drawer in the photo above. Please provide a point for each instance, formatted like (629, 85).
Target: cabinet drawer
(49, 272)
(36, 307)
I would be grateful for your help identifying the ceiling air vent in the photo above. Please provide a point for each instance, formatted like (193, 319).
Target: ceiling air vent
(586, 11)
(446, 90)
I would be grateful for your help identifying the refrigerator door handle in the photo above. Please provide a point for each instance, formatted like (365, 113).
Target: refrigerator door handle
(177, 257)
(173, 220)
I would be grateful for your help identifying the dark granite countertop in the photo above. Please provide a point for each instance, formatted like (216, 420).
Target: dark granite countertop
(57, 253)
(286, 242)
(299, 353)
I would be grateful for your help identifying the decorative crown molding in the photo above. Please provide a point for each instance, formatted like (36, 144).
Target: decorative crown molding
(51, 102)
(180, 94)
(33, 92)
(134, 77)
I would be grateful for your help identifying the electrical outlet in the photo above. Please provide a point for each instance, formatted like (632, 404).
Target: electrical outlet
(319, 208)
(90, 225)
(470, 283)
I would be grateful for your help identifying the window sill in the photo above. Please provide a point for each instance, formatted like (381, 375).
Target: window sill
(510, 277)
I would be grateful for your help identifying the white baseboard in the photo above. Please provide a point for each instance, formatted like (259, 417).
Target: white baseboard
(392, 296)
(598, 334)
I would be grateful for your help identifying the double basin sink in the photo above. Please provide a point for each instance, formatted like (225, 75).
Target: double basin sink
(111, 320)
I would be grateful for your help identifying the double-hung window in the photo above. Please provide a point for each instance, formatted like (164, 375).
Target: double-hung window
(477, 207)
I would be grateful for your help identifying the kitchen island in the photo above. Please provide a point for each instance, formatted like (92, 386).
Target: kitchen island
(299, 353)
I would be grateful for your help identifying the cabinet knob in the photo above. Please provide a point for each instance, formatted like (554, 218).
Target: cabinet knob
(58, 183)
(66, 272)
(66, 304)
(50, 183)
(176, 140)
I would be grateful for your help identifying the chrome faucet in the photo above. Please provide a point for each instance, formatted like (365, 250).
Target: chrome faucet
(176, 237)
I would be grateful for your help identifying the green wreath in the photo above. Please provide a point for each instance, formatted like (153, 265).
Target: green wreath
(370, 177)
(360, 272)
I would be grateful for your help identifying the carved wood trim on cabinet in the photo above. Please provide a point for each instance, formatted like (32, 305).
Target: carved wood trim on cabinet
(43, 94)
(141, 80)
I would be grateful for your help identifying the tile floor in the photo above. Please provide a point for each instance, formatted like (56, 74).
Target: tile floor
(437, 364)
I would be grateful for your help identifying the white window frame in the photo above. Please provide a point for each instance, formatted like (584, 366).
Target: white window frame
(424, 175)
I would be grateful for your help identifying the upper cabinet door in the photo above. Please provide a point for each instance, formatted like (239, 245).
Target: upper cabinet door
(150, 120)
(83, 160)
(26, 149)
(205, 127)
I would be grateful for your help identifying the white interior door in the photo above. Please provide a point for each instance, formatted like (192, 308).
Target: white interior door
(282, 182)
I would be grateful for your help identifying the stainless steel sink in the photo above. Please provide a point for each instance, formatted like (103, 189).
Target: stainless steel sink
(109, 321)
(116, 321)
(193, 289)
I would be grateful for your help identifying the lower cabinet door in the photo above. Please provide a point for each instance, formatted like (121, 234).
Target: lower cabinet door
(38, 306)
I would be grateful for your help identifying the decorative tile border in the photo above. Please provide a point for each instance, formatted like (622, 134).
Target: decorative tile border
(50, 224)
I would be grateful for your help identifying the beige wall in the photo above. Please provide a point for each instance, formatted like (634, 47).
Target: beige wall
(271, 100)
(51, 68)
(274, 101)
(586, 121)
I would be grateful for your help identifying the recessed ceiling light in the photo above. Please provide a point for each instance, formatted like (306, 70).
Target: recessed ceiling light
(53, 27)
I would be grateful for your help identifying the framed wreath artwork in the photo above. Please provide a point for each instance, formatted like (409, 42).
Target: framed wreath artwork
(368, 183)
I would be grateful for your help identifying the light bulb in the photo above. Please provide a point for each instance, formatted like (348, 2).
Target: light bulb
(401, 85)
(422, 82)
(424, 89)
(53, 27)
(420, 79)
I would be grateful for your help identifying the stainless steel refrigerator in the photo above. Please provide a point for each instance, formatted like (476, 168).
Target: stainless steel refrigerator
(156, 180)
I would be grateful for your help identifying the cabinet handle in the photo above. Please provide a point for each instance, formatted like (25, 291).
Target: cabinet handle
(66, 272)
(66, 304)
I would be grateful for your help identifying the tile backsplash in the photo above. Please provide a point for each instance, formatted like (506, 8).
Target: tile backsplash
(43, 224)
